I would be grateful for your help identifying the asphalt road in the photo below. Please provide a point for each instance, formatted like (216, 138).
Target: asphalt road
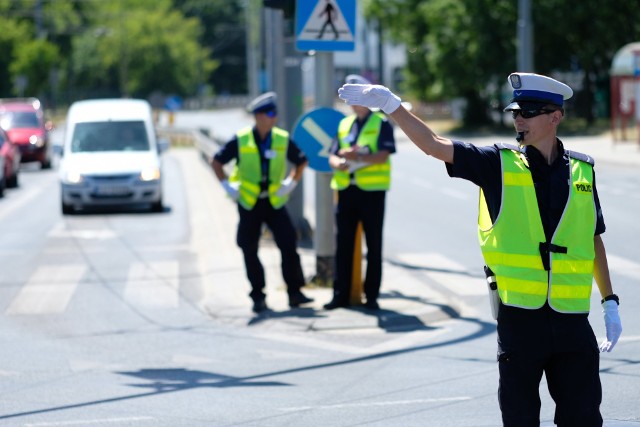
(105, 317)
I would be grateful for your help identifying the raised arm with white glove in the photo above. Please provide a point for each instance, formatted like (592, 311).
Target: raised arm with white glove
(286, 187)
(231, 189)
(370, 96)
(612, 325)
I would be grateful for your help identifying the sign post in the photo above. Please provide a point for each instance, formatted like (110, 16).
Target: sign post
(325, 26)
(636, 75)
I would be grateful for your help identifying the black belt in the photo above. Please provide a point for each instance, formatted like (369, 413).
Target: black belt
(546, 248)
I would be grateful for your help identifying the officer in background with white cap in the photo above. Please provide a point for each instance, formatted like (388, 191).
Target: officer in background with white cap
(360, 158)
(539, 228)
(261, 188)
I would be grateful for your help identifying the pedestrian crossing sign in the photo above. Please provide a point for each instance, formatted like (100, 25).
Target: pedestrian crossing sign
(325, 25)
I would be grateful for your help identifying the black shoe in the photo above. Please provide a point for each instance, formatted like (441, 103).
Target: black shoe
(335, 304)
(372, 305)
(259, 306)
(299, 298)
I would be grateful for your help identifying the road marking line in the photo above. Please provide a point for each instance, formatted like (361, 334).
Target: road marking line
(372, 404)
(88, 422)
(48, 290)
(460, 195)
(446, 272)
(154, 284)
(623, 266)
(22, 199)
(61, 230)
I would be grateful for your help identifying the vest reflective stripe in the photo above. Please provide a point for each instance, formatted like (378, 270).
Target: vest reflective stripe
(511, 246)
(572, 273)
(248, 170)
(369, 178)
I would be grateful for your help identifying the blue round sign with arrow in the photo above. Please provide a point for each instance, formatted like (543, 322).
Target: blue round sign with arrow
(314, 133)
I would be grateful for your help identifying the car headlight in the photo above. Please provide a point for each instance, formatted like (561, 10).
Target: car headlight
(72, 177)
(36, 140)
(150, 174)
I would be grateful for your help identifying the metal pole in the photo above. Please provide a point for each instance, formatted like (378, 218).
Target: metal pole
(285, 77)
(381, 76)
(293, 106)
(252, 26)
(525, 37)
(324, 236)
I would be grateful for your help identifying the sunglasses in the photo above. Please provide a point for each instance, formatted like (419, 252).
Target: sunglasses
(271, 113)
(528, 114)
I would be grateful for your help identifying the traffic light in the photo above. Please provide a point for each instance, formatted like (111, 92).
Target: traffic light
(288, 7)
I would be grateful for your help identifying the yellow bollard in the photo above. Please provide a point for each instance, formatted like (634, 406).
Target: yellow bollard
(356, 275)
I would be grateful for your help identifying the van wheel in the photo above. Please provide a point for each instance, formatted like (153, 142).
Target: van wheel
(157, 206)
(67, 209)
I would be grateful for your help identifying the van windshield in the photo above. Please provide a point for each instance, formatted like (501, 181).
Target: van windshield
(109, 136)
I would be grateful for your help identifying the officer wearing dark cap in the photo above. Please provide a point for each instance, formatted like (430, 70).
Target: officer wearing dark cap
(360, 157)
(261, 187)
(539, 228)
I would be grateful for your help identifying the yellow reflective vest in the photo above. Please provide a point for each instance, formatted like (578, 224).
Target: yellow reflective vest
(371, 177)
(248, 169)
(528, 269)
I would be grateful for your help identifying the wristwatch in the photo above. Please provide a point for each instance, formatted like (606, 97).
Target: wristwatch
(612, 297)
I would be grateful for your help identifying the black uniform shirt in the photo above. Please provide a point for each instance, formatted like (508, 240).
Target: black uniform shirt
(481, 165)
(545, 328)
(386, 140)
(229, 151)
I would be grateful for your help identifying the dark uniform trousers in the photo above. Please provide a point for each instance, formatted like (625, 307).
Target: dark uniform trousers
(356, 205)
(284, 234)
(564, 348)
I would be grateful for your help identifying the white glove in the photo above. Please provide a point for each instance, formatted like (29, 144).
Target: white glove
(371, 96)
(286, 187)
(231, 189)
(612, 325)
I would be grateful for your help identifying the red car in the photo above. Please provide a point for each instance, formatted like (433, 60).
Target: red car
(23, 120)
(11, 161)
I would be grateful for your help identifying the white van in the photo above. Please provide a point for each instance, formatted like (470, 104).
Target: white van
(110, 156)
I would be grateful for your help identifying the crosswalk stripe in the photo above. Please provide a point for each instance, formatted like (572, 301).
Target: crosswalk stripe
(446, 272)
(154, 284)
(623, 266)
(48, 290)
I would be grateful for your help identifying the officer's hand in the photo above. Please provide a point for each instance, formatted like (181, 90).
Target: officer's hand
(231, 189)
(286, 187)
(612, 325)
(371, 96)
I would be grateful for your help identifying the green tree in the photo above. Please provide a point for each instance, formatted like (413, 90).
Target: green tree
(466, 48)
(143, 47)
(35, 59)
(224, 34)
(10, 35)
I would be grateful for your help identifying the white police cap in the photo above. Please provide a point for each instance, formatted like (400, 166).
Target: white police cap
(529, 88)
(263, 103)
(356, 79)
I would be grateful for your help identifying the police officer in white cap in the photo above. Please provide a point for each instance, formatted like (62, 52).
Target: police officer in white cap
(261, 187)
(539, 228)
(360, 158)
